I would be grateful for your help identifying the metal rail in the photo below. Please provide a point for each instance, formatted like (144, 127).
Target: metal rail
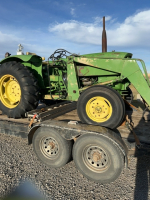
(51, 112)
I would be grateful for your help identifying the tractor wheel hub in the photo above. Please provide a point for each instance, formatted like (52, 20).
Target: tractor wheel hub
(99, 109)
(10, 91)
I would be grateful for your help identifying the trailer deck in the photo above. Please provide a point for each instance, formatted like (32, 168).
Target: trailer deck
(19, 127)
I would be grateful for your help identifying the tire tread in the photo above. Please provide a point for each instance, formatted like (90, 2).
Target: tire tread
(29, 89)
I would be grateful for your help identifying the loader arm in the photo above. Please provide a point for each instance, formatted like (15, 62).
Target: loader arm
(126, 67)
(137, 78)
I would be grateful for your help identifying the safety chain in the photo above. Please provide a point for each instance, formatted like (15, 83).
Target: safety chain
(130, 127)
(31, 122)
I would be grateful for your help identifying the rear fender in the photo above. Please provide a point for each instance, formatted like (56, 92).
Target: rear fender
(33, 62)
(22, 58)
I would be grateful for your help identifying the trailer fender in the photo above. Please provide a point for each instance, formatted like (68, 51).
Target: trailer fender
(120, 144)
(71, 132)
(31, 133)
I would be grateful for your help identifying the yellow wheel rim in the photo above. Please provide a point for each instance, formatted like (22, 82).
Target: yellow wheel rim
(10, 92)
(99, 109)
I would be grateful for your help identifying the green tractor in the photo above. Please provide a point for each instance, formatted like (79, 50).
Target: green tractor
(99, 83)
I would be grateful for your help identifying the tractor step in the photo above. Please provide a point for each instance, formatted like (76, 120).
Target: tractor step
(51, 112)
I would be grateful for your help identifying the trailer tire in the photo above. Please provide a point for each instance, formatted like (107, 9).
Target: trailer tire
(101, 105)
(18, 90)
(98, 158)
(51, 148)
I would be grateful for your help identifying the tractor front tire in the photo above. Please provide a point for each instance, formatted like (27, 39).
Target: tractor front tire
(18, 90)
(101, 105)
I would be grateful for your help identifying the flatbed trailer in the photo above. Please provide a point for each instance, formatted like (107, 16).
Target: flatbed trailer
(99, 153)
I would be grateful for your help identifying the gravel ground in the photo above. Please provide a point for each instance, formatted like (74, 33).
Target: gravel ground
(18, 162)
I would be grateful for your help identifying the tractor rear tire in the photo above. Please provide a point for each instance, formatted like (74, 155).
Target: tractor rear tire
(18, 90)
(101, 105)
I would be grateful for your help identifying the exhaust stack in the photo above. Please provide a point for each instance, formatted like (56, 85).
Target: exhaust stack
(104, 37)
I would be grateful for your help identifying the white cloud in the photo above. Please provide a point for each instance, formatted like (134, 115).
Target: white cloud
(98, 20)
(132, 35)
(72, 12)
(133, 31)
(29, 40)
(77, 31)
(7, 43)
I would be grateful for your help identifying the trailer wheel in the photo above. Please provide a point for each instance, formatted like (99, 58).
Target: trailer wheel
(101, 105)
(98, 158)
(51, 148)
(18, 90)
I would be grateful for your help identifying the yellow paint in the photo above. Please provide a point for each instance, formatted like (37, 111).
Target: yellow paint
(49, 97)
(99, 109)
(10, 91)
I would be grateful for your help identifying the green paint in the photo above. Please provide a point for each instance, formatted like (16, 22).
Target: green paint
(69, 76)
(73, 89)
(110, 55)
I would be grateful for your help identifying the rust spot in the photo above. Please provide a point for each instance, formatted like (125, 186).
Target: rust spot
(123, 123)
(52, 145)
(96, 156)
(80, 68)
(80, 73)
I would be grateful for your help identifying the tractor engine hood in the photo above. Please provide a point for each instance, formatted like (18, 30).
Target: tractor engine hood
(109, 55)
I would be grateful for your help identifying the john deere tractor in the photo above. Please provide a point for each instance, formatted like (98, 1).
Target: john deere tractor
(99, 83)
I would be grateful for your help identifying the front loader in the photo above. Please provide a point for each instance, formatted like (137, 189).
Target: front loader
(98, 82)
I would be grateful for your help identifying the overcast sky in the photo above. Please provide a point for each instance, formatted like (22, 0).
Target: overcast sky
(42, 26)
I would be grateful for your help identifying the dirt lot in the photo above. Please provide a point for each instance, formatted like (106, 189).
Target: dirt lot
(18, 162)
